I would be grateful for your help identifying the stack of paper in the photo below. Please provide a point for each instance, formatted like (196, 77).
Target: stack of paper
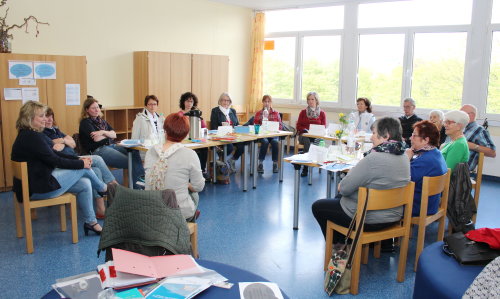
(82, 286)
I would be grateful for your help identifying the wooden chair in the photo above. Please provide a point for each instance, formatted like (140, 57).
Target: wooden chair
(476, 184)
(378, 200)
(287, 117)
(431, 186)
(297, 145)
(20, 171)
(193, 235)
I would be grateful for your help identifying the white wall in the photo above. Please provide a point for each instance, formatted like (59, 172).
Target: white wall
(108, 31)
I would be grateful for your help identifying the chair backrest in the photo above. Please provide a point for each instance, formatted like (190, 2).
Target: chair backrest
(20, 172)
(386, 199)
(79, 148)
(432, 186)
(479, 169)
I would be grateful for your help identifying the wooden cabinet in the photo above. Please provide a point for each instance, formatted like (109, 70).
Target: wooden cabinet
(69, 70)
(169, 75)
(121, 119)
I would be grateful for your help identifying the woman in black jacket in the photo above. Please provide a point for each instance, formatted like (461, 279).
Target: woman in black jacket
(52, 174)
(225, 115)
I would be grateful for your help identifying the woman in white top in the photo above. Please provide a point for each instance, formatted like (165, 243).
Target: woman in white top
(363, 119)
(173, 166)
(148, 124)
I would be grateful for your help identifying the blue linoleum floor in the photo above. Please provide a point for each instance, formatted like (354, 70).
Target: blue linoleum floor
(251, 230)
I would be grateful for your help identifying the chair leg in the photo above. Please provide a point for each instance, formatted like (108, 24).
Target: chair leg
(19, 224)
(376, 249)
(328, 245)
(403, 253)
(125, 177)
(33, 214)
(440, 235)
(420, 244)
(194, 241)
(355, 271)
(29, 230)
(74, 219)
(366, 251)
(62, 209)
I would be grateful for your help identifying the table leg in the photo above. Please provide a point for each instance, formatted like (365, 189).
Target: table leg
(225, 152)
(336, 181)
(328, 184)
(251, 158)
(214, 165)
(310, 175)
(254, 164)
(296, 193)
(280, 158)
(245, 169)
(130, 179)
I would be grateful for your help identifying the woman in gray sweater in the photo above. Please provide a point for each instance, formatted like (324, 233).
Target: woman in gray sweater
(173, 166)
(384, 167)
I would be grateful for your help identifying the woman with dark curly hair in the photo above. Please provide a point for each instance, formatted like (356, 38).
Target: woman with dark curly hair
(363, 118)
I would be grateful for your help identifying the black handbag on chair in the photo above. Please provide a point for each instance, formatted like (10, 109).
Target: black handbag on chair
(467, 251)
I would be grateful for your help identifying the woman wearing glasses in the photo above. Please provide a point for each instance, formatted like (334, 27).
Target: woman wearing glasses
(456, 151)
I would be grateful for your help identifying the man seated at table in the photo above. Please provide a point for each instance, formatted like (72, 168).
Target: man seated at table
(408, 119)
(478, 138)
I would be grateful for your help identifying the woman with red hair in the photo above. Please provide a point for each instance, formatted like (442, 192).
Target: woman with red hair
(173, 166)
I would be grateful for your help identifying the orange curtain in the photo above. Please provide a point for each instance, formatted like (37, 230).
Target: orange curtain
(256, 84)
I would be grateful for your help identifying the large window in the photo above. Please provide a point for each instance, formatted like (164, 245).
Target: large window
(494, 79)
(495, 17)
(279, 68)
(381, 68)
(305, 19)
(321, 67)
(438, 70)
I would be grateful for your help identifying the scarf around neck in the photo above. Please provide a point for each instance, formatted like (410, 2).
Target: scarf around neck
(153, 119)
(313, 113)
(99, 122)
(391, 147)
(226, 112)
(156, 177)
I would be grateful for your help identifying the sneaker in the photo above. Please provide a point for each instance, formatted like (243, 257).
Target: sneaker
(260, 167)
(232, 164)
(275, 167)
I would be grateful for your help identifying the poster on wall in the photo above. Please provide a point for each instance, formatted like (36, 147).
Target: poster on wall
(12, 94)
(30, 94)
(20, 69)
(73, 94)
(45, 70)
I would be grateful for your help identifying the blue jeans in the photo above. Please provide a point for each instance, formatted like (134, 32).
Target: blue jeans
(78, 181)
(264, 144)
(101, 171)
(240, 147)
(117, 156)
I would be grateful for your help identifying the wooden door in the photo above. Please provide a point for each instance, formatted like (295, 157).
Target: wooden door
(180, 78)
(202, 83)
(10, 109)
(70, 70)
(220, 77)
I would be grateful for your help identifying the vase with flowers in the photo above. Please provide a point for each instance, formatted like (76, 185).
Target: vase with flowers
(342, 128)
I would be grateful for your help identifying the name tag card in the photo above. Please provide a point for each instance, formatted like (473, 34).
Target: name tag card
(273, 126)
(224, 130)
(317, 130)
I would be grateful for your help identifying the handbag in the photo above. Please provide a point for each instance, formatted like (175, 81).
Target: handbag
(467, 251)
(338, 274)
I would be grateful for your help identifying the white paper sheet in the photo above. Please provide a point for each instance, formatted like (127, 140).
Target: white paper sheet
(11, 94)
(332, 128)
(30, 94)
(273, 126)
(20, 69)
(224, 130)
(73, 94)
(27, 82)
(317, 130)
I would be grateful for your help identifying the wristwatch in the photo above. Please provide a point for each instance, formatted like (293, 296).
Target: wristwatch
(476, 147)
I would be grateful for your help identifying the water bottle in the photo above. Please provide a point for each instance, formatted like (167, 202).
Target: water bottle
(351, 137)
(322, 143)
(265, 118)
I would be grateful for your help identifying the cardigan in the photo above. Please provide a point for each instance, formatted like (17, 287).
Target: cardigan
(30, 146)
(431, 164)
(303, 121)
(87, 127)
(217, 117)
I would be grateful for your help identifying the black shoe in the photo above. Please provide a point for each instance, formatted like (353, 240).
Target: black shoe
(305, 171)
(91, 227)
(387, 246)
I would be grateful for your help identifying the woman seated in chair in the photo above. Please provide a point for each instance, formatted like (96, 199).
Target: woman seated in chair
(97, 137)
(425, 160)
(268, 113)
(148, 124)
(65, 144)
(188, 102)
(456, 151)
(437, 118)
(224, 115)
(363, 118)
(384, 167)
(173, 166)
(312, 115)
(51, 173)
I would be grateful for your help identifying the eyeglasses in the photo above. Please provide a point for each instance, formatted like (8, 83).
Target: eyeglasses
(413, 135)
(449, 122)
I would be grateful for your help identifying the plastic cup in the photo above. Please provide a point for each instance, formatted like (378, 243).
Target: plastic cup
(256, 128)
